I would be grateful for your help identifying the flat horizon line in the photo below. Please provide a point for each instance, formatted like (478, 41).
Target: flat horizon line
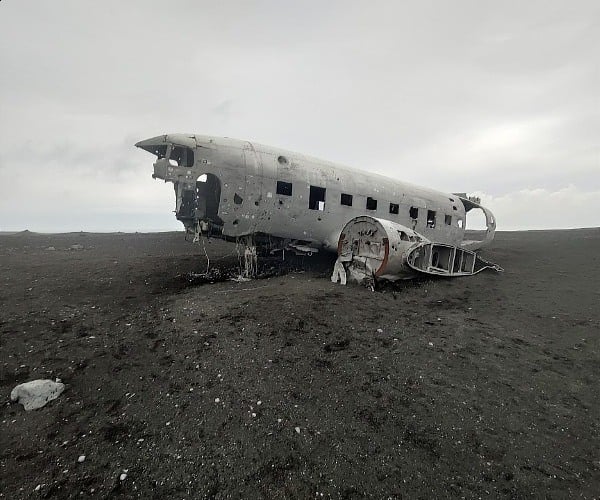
(49, 233)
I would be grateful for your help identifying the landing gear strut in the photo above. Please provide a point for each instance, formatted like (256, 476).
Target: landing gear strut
(250, 257)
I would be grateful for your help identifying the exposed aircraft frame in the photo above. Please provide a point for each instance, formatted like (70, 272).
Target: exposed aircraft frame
(280, 200)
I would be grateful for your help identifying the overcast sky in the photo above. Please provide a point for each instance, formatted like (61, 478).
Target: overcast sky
(498, 99)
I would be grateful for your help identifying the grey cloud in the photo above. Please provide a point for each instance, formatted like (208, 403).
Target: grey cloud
(500, 97)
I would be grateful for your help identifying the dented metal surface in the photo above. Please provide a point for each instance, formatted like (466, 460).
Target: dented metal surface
(288, 201)
(371, 249)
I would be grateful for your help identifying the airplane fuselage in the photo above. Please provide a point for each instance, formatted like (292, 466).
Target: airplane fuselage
(243, 188)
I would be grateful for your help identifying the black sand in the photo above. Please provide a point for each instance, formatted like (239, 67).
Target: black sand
(486, 386)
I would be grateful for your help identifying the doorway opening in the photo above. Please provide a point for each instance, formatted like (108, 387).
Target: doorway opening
(208, 197)
(201, 202)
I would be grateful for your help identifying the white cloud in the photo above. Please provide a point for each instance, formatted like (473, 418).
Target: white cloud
(569, 207)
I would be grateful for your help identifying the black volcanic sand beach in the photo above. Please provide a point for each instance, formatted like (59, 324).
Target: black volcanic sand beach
(292, 386)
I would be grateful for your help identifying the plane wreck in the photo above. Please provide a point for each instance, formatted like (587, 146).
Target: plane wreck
(271, 200)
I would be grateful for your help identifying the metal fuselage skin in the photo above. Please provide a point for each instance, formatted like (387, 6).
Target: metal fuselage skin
(248, 175)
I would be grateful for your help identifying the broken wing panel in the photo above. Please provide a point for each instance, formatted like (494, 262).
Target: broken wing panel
(371, 249)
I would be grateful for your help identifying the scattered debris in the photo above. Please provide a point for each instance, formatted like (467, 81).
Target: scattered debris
(371, 250)
(35, 394)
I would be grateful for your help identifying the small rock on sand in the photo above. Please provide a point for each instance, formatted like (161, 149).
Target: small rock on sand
(35, 394)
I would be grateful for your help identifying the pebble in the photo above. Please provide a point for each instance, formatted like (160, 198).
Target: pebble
(123, 476)
(298, 430)
(81, 458)
(217, 400)
(379, 330)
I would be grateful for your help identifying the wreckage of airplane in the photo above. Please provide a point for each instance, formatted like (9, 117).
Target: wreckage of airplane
(276, 200)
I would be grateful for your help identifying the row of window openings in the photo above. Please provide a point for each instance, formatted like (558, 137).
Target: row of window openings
(316, 201)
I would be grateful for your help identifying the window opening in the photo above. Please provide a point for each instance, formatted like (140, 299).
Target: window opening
(346, 199)
(431, 218)
(181, 157)
(316, 200)
(371, 203)
(284, 188)
(394, 208)
(159, 151)
(414, 213)
(448, 220)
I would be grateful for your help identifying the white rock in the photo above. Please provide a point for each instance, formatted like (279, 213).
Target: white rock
(123, 476)
(379, 330)
(35, 394)
(76, 246)
(81, 458)
(298, 430)
(217, 400)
